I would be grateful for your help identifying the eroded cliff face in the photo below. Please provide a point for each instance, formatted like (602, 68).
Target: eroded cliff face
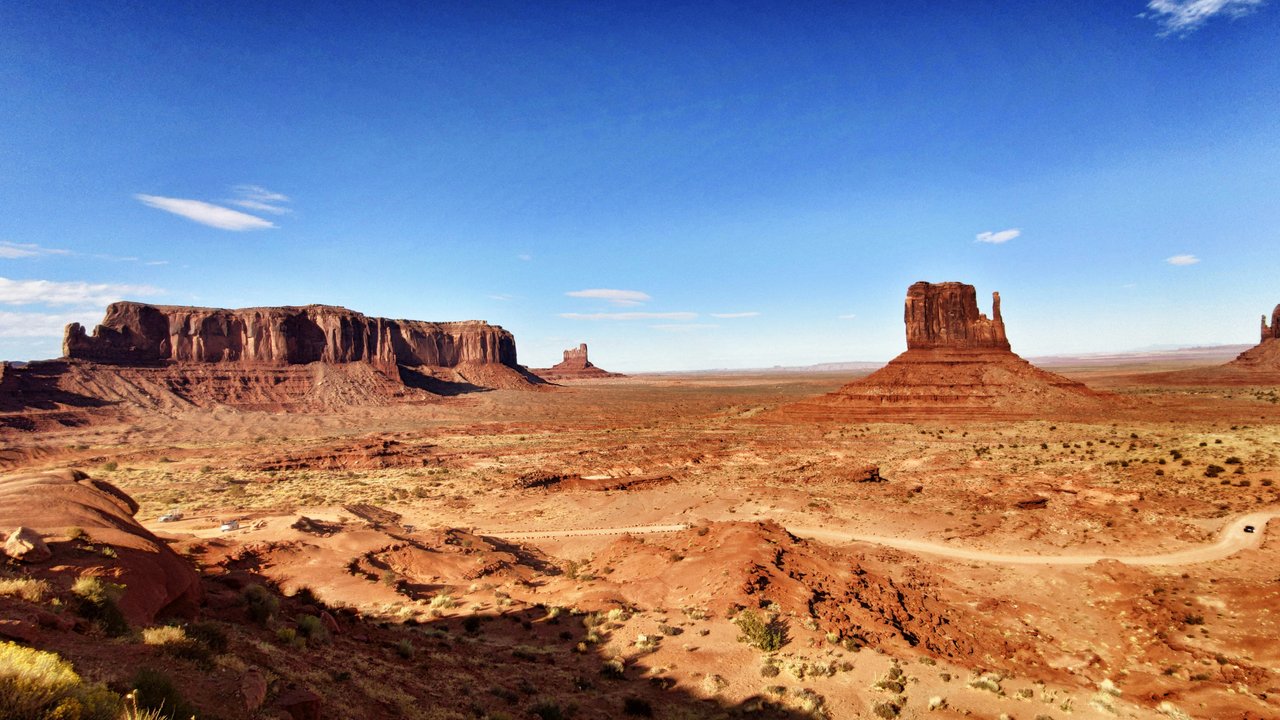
(945, 315)
(1271, 332)
(139, 333)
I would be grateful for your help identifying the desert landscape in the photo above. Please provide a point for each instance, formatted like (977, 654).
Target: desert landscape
(609, 360)
(361, 527)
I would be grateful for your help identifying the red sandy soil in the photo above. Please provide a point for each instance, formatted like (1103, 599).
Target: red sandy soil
(517, 505)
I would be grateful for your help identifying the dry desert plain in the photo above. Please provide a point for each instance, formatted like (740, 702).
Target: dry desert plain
(600, 548)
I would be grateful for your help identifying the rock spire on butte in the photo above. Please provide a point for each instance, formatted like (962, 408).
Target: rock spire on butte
(574, 366)
(958, 363)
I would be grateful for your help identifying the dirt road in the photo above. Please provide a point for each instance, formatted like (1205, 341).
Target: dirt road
(1231, 539)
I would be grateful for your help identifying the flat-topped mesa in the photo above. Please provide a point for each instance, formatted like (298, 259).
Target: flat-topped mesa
(276, 336)
(945, 316)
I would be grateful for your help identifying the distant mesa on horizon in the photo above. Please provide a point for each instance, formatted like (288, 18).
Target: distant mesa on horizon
(574, 366)
(958, 364)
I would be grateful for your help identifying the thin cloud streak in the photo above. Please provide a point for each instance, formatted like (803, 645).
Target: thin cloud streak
(50, 292)
(1182, 260)
(689, 327)
(14, 251)
(999, 237)
(623, 298)
(631, 316)
(205, 213)
(734, 315)
(1183, 17)
(256, 197)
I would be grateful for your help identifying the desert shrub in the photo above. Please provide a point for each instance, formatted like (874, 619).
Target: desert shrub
(261, 603)
(110, 466)
(154, 691)
(637, 707)
(289, 636)
(42, 686)
(547, 710)
(405, 649)
(614, 669)
(471, 624)
(767, 634)
(97, 600)
(1214, 471)
(209, 634)
(443, 601)
(311, 628)
(29, 589)
(769, 671)
(886, 710)
(1193, 619)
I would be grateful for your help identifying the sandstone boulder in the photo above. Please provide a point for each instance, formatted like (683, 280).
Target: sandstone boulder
(157, 581)
(26, 545)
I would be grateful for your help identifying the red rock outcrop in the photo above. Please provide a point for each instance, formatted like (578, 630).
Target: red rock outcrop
(157, 581)
(135, 333)
(945, 315)
(315, 357)
(575, 366)
(958, 364)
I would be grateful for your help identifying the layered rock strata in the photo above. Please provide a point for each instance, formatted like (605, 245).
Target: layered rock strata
(135, 333)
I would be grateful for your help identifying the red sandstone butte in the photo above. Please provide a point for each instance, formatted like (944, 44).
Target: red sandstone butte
(1257, 366)
(272, 358)
(958, 364)
(575, 366)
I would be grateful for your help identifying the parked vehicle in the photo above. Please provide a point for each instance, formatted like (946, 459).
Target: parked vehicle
(1249, 528)
(230, 525)
(171, 516)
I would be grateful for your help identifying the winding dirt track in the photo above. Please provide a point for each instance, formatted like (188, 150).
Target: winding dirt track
(1231, 539)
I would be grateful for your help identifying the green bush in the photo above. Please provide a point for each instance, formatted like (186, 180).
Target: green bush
(38, 685)
(96, 599)
(311, 628)
(261, 603)
(767, 634)
(154, 691)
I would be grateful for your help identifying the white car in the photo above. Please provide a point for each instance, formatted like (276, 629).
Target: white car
(171, 516)
(230, 525)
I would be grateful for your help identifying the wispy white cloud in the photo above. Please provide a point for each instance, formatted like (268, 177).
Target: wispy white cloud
(13, 250)
(256, 197)
(35, 325)
(733, 315)
(206, 213)
(998, 237)
(1182, 17)
(524, 256)
(623, 298)
(50, 292)
(1182, 260)
(848, 316)
(501, 296)
(631, 316)
(683, 327)
(157, 262)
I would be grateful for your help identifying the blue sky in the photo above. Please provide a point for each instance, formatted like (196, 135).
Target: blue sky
(752, 184)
